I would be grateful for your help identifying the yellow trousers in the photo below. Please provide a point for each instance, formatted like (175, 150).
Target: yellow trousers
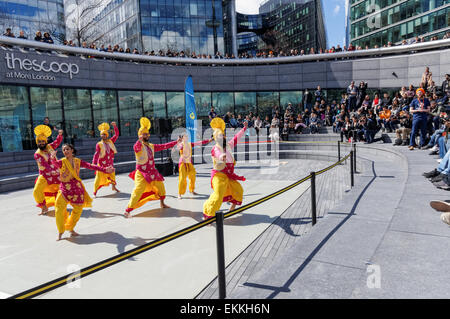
(224, 188)
(144, 192)
(186, 170)
(43, 192)
(103, 179)
(63, 220)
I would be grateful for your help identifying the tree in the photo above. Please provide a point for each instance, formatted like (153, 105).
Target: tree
(81, 19)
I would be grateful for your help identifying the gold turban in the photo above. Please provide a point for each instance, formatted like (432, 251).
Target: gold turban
(42, 133)
(104, 129)
(218, 125)
(145, 126)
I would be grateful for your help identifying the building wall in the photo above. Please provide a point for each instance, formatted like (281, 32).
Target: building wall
(81, 93)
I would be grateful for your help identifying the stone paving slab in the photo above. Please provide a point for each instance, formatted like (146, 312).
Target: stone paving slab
(302, 279)
(411, 266)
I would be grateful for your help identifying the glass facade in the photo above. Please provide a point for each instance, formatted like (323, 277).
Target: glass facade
(193, 26)
(377, 22)
(283, 25)
(106, 22)
(79, 111)
(153, 25)
(32, 16)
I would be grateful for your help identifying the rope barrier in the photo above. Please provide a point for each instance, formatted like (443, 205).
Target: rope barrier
(63, 280)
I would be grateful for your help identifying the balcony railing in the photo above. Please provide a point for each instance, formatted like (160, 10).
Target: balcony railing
(62, 49)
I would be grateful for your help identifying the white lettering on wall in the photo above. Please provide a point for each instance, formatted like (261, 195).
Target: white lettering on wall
(41, 66)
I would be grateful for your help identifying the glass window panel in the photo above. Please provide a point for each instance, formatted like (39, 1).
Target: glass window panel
(154, 107)
(46, 102)
(245, 102)
(130, 110)
(293, 97)
(104, 104)
(202, 103)
(175, 109)
(266, 101)
(77, 113)
(15, 119)
(223, 102)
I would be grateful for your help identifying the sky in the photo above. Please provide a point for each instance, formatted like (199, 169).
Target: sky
(334, 15)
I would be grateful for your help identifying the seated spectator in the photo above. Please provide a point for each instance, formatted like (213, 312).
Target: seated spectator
(275, 122)
(440, 176)
(385, 119)
(226, 119)
(240, 121)
(329, 116)
(404, 130)
(370, 128)
(314, 123)
(434, 140)
(274, 134)
(285, 132)
(358, 128)
(347, 129)
(233, 121)
(376, 102)
(300, 124)
(291, 123)
(212, 114)
(258, 124)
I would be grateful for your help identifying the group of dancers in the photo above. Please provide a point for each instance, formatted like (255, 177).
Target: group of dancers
(59, 183)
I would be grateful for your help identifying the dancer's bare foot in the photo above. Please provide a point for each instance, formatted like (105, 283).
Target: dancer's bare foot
(44, 210)
(74, 234)
(179, 196)
(127, 215)
(115, 189)
(194, 193)
(232, 207)
(59, 236)
(164, 205)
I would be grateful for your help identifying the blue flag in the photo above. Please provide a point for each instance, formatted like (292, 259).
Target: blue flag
(191, 115)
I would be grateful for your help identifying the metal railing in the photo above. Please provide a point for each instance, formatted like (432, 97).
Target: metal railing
(63, 49)
(219, 219)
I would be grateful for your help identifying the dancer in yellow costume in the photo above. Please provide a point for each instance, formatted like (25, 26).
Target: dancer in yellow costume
(47, 184)
(148, 182)
(104, 157)
(186, 167)
(72, 190)
(224, 181)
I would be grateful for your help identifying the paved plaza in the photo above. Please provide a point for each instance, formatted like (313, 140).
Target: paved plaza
(31, 256)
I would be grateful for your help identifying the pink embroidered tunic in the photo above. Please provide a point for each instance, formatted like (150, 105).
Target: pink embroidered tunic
(108, 159)
(217, 152)
(187, 158)
(72, 188)
(145, 160)
(45, 165)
